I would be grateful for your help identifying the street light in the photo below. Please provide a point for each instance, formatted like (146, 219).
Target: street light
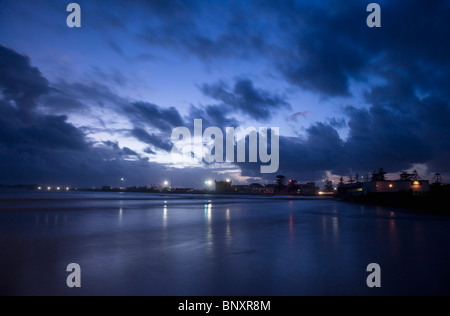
(209, 183)
(121, 182)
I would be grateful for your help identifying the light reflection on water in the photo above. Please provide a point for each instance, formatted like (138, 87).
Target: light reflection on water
(330, 227)
(209, 234)
(221, 247)
(229, 237)
(291, 228)
(165, 216)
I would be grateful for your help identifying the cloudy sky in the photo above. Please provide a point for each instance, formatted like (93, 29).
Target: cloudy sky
(87, 106)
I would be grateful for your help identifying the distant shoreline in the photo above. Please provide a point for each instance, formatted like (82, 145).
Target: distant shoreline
(426, 205)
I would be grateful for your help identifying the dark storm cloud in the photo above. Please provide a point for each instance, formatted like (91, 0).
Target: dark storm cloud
(382, 136)
(20, 124)
(378, 137)
(322, 149)
(19, 81)
(323, 47)
(407, 119)
(325, 55)
(155, 116)
(245, 98)
(338, 48)
(317, 46)
(151, 139)
(46, 149)
(386, 138)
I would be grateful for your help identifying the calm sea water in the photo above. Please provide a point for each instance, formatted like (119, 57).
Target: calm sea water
(137, 244)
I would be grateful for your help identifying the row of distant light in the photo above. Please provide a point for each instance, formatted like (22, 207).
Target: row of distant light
(57, 188)
(207, 182)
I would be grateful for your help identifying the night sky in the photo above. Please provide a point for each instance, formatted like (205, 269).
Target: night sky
(87, 106)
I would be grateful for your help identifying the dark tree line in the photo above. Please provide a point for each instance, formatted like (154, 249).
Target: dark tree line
(380, 175)
(280, 183)
(405, 176)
